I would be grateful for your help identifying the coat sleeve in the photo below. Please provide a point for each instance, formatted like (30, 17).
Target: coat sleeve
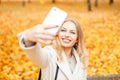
(38, 55)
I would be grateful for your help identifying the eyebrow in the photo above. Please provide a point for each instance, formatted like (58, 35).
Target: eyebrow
(73, 30)
(65, 28)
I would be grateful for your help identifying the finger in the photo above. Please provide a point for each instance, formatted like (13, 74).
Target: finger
(44, 37)
(50, 26)
(44, 33)
(47, 32)
(44, 41)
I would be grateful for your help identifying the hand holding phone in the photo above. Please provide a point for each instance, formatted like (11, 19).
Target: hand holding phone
(56, 17)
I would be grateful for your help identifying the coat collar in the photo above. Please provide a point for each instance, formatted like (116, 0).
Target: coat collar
(64, 65)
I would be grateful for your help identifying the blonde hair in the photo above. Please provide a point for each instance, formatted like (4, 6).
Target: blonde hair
(79, 46)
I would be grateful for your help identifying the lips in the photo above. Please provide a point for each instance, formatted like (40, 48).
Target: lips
(66, 40)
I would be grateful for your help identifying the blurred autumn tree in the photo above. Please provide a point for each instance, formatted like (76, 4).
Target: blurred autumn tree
(96, 3)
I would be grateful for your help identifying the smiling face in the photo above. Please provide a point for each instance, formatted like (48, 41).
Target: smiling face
(68, 35)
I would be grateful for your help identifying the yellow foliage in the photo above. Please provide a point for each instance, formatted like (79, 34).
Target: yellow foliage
(101, 32)
(42, 1)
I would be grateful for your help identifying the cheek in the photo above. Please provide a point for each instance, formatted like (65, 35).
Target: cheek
(59, 35)
(75, 38)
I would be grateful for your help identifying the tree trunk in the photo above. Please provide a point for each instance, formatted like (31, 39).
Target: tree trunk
(111, 2)
(23, 3)
(53, 1)
(96, 3)
(89, 5)
(29, 1)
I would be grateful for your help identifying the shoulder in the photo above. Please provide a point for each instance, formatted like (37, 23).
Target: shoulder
(51, 50)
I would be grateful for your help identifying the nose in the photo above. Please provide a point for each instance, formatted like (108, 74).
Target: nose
(67, 34)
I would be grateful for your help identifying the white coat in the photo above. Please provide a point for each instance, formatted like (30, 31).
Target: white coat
(46, 58)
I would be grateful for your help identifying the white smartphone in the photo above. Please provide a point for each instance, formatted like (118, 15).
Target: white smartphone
(56, 17)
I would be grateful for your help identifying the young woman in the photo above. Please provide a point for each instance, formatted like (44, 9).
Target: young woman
(64, 57)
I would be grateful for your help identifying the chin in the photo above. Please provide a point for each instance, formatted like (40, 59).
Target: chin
(66, 46)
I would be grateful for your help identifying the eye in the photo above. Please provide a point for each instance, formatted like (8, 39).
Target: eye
(62, 30)
(72, 32)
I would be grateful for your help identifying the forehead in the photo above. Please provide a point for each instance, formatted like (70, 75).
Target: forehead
(69, 25)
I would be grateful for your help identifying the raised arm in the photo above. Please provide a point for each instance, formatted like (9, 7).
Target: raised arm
(30, 41)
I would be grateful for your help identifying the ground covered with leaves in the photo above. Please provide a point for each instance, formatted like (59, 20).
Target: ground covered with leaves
(101, 28)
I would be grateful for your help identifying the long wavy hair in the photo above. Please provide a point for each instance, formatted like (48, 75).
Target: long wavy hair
(79, 46)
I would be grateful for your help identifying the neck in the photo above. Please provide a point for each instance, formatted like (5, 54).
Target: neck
(68, 52)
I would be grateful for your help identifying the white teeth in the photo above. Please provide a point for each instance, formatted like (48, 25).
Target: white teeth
(66, 40)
